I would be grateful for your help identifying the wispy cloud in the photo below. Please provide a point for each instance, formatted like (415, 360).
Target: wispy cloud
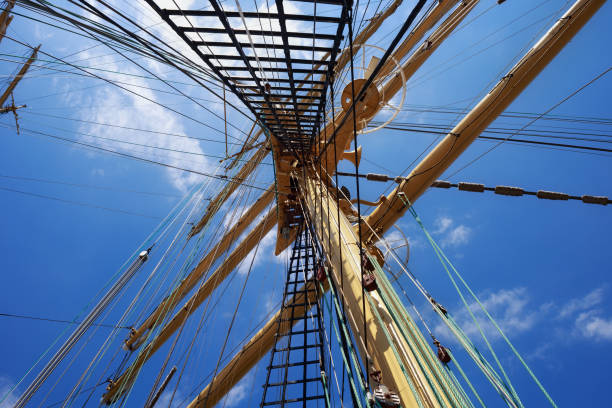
(586, 302)
(164, 399)
(452, 235)
(511, 309)
(442, 224)
(595, 327)
(459, 235)
(239, 392)
(6, 385)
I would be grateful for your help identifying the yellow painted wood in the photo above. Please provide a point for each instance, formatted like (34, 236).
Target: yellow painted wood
(213, 281)
(478, 119)
(178, 294)
(246, 170)
(19, 76)
(341, 245)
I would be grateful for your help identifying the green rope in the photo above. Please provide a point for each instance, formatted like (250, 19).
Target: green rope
(399, 314)
(443, 257)
(465, 378)
(345, 360)
(146, 243)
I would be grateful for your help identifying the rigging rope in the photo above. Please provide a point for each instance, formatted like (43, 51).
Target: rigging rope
(446, 262)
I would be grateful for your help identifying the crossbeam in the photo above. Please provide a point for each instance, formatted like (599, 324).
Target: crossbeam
(480, 117)
(203, 292)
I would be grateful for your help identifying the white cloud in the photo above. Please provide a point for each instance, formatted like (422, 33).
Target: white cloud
(122, 108)
(265, 254)
(452, 235)
(510, 309)
(459, 235)
(239, 392)
(442, 224)
(164, 399)
(591, 299)
(97, 172)
(6, 385)
(594, 327)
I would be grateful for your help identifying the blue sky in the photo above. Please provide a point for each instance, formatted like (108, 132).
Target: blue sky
(541, 267)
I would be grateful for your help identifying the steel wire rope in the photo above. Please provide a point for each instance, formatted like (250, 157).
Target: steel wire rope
(79, 203)
(450, 124)
(443, 257)
(108, 342)
(186, 266)
(86, 343)
(375, 312)
(97, 45)
(240, 344)
(88, 75)
(126, 313)
(504, 83)
(432, 74)
(143, 145)
(126, 155)
(41, 180)
(253, 311)
(346, 359)
(40, 8)
(521, 141)
(540, 132)
(130, 378)
(202, 315)
(244, 196)
(150, 72)
(125, 89)
(145, 243)
(46, 319)
(196, 191)
(356, 158)
(341, 272)
(233, 317)
(63, 18)
(473, 99)
(571, 95)
(30, 112)
(408, 22)
(425, 293)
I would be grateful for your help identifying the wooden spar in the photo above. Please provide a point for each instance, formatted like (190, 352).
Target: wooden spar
(213, 281)
(344, 135)
(381, 354)
(420, 55)
(367, 32)
(19, 76)
(341, 245)
(249, 355)
(418, 33)
(190, 281)
(6, 17)
(252, 351)
(480, 117)
(242, 175)
(168, 304)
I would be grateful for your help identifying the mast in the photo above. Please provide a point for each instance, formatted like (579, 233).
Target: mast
(480, 117)
(6, 17)
(7, 92)
(545, 49)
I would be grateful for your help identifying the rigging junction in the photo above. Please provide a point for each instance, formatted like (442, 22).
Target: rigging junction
(334, 244)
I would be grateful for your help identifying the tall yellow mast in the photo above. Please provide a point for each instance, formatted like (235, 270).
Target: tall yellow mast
(6, 17)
